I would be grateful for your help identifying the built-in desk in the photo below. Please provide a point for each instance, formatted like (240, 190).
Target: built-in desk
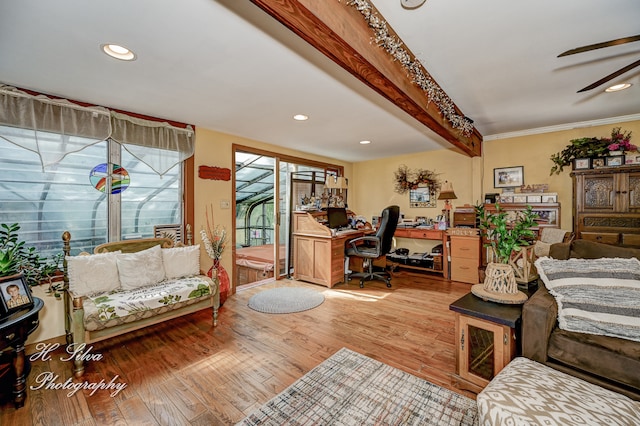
(427, 234)
(318, 257)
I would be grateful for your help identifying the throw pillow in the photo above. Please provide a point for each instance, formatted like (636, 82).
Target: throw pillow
(181, 261)
(93, 274)
(595, 296)
(141, 268)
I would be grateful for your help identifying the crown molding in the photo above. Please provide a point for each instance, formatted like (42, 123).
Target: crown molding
(561, 127)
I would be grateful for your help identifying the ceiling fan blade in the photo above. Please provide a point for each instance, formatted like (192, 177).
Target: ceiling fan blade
(611, 76)
(601, 45)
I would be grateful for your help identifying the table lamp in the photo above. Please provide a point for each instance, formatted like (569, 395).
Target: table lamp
(447, 194)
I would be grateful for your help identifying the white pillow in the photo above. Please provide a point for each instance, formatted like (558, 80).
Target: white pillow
(140, 269)
(181, 261)
(92, 274)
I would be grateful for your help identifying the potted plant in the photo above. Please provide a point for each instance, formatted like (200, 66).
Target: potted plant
(506, 236)
(591, 148)
(16, 258)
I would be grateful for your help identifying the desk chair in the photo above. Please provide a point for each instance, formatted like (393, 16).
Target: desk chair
(371, 247)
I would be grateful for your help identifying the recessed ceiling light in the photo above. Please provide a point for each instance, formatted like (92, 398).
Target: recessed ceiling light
(365, 142)
(617, 87)
(300, 117)
(118, 52)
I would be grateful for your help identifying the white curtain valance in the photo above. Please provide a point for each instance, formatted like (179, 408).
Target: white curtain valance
(54, 128)
(137, 135)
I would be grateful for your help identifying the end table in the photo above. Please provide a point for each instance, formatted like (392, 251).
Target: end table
(487, 339)
(14, 331)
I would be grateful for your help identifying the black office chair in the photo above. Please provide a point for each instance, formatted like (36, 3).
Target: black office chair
(371, 247)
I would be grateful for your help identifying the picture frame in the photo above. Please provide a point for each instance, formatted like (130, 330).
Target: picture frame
(519, 198)
(615, 160)
(550, 198)
(508, 177)
(422, 197)
(581, 163)
(598, 163)
(15, 294)
(173, 232)
(632, 158)
(534, 198)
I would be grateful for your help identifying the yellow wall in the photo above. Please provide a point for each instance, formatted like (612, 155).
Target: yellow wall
(373, 183)
(533, 153)
(215, 149)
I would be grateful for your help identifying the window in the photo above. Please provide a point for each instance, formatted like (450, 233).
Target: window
(46, 203)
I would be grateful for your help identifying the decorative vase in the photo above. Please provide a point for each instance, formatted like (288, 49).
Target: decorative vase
(223, 279)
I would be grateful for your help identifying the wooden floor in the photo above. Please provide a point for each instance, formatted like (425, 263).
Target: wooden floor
(186, 372)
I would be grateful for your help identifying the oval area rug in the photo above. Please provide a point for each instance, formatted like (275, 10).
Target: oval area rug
(285, 300)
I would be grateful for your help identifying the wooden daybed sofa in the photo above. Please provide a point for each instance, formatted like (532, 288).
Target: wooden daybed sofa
(131, 284)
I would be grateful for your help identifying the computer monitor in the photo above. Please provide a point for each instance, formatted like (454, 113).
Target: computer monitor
(337, 217)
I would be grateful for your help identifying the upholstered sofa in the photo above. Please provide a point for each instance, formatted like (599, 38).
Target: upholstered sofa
(611, 362)
(128, 285)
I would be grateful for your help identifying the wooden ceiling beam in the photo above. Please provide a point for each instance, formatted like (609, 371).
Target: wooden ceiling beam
(341, 33)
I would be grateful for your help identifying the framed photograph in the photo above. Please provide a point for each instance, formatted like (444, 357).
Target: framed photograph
(15, 294)
(506, 198)
(421, 197)
(581, 163)
(491, 198)
(598, 163)
(173, 232)
(508, 177)
(615, 160)
(518, 198)
(550, 198)
(534, 198)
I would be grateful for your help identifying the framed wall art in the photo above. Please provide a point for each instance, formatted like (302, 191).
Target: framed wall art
(15, 294)
(422, 196)
(508, 177)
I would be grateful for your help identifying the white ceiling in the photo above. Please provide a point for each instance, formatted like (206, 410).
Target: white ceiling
(228, 66)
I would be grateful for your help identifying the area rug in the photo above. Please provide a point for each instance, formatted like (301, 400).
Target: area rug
(285, 300)
(352, 389)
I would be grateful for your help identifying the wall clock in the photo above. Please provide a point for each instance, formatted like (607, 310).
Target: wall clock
(412, 4)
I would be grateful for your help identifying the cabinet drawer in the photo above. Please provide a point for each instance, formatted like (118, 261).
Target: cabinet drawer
(631, 240)
(464, 270)
(601, 237)
(465, 248)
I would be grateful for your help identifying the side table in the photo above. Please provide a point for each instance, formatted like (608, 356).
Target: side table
(487, 339)
(14, 331)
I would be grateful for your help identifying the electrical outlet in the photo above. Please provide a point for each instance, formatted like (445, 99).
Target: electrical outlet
(225, 204)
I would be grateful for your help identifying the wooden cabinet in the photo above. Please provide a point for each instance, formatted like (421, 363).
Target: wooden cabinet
(465, 255)
(318, 257)
(607, 205)
(487, 339)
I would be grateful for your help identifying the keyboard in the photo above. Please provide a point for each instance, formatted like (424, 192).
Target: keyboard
(346, 231)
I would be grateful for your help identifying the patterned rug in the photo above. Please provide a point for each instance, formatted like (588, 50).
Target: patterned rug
(352, 389)
(285, 300)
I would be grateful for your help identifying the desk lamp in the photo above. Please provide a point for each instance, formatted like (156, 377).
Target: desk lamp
(447, 194)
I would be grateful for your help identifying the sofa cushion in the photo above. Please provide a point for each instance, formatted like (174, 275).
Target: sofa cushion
(611, 358)
(141, 268)
(181, 261)
(597, 296)
(91, 274)
(124, 306)
(585, 249)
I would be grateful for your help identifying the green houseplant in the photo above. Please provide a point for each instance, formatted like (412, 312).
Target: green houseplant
(591, 148)
(503, 235)
(16, 257)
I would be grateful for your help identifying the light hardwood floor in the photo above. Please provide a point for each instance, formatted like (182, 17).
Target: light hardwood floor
(186, 372)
